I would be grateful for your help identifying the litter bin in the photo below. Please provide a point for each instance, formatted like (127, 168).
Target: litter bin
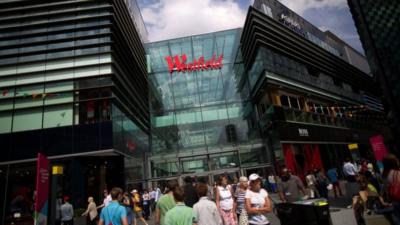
(308, 212)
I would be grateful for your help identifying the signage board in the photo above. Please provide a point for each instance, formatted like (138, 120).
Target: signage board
(180, 64)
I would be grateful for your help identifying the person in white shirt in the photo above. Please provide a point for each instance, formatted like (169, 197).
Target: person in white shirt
(225, 203)
(205, 210)
(107, 199)
(350, 171)
(152, 194)
(257, 202)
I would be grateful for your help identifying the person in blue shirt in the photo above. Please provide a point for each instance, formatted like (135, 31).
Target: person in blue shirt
(333, 177)
(114, 213)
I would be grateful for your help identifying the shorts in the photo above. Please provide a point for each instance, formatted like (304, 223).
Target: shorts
(138, 214)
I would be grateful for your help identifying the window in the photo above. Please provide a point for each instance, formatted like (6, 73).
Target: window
(294, 103)
(284, 100)
(28, 119)
(56, 116)
(5, 121)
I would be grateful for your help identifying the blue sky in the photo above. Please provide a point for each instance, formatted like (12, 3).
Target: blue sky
(167, 19)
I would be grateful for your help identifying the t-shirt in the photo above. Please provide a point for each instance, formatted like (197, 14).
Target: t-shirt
(257, 200)
(349, 169)
(113, 213)
(180, 215)
(271, 179)
(165, 203)
(332, 175)
(291, 188)
(225, 197)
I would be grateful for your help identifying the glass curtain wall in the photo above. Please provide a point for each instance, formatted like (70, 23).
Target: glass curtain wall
(195, 113)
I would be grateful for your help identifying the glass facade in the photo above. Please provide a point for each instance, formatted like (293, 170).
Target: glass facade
(198, 121)
(68, 90)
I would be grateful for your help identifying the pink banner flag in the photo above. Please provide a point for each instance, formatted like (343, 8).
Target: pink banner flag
(42, 190)
(378, 146)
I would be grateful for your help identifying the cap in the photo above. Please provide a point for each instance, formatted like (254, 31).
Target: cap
(254, 176)
(134, 191)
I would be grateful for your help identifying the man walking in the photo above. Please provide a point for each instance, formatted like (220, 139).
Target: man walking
(290, 186)
(180, 214)
(67, 212)
(114, 213)
(165, 203)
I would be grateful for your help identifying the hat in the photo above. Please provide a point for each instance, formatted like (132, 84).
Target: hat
(254, 177)
(134, 191)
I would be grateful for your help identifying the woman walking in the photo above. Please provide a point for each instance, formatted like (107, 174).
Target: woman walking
(257, 202)
(91, 212)
(224, 201)
(240, 195)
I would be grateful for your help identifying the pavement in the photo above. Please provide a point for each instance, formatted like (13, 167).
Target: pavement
(340, 214)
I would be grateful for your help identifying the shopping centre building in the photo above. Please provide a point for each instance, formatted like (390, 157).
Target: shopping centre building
(81, 84)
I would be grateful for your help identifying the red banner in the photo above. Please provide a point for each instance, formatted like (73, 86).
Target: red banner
(42, 190)
(378, 146)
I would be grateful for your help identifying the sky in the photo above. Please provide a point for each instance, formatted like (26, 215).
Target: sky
(166, 19)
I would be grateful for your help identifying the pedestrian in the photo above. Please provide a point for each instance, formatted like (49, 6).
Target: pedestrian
(322, 183)
(136, 206)
(180, 214)
(165, 203)
(333, 178)
(350, 172)
(240, 196)
(67, 212)
(205, 210)
(311, 182)
(257, 202)
(127, 203)
(225, 203)
(114, 213)
(290, 187)
(190, 192)
(107, 199)
(272, 182)
(146, 204)
(391, 187)
(91, 212)
(152, 193)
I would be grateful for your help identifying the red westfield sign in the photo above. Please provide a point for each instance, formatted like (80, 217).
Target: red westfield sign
(179, 64)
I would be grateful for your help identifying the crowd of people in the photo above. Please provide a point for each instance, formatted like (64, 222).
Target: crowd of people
(246, 201)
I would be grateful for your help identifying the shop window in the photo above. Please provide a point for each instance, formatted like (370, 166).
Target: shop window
(284, 100)
(94, 111)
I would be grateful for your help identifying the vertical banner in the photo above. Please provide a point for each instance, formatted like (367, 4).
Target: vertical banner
(42, 190)
(379, 148)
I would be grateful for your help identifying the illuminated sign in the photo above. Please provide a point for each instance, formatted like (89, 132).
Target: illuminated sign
(352, 146)
(179, 64)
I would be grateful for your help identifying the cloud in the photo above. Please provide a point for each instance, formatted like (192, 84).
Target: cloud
(166, 19)
(300, 6)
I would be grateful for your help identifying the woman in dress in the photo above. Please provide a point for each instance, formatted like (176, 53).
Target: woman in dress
(225, 203)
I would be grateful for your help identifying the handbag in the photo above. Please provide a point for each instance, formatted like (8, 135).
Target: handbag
(394, 188)
(243, 218)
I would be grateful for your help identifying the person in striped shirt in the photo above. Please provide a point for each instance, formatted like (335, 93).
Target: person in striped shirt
(240, 195)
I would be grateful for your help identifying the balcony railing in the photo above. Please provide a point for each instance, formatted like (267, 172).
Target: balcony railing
(276, 113)
(323, 85)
